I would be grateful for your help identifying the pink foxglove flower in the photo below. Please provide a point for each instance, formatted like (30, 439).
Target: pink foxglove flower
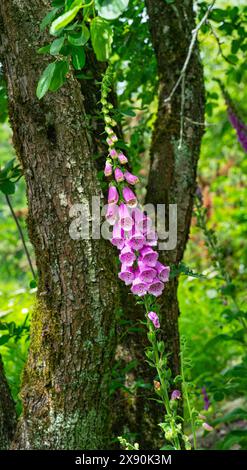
(127, 256)
(122, 158)
(136, 240)
(156, 287)
(111, 140)
(129, 197)
(118, 175)
(147, 274)
(205, 398)
(113, 195)
(176, 395)
(152, 238)
(108, 169)
(240, 128)
(109, 130)
(142, 222)
(139, 287)
(154, 319)
(207, 427)
(125, 218)
(118, 239)
(113, 153)
(131, 179)
(163, 271)
(111, 213)
(146, 224)
(149, 256)
(127, 274)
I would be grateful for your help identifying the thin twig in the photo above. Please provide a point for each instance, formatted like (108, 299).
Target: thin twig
(21, 235)
(182, 112)
(217, 39)
(204, 124)
(191, 47)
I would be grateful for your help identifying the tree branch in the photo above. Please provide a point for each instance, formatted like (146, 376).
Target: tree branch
(190, 50)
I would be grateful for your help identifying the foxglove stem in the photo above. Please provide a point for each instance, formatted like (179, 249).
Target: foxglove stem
(163, 387)
(187, 400)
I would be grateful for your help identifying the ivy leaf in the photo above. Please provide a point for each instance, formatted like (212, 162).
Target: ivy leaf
(111, 9)
(78, 57)
(57, 45)
(59, 76)
(81, 38)
(102, 37)
(63, 20)
(45, 80)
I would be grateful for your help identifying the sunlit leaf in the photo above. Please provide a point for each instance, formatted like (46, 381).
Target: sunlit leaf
(102, 37)
(111, 9)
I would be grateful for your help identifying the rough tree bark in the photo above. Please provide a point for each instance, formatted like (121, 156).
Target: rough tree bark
(172, 177)
(65, 383)
(7, 412)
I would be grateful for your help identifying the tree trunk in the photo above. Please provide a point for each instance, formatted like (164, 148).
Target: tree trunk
(65, 384)
(172, 177)
(7, 412)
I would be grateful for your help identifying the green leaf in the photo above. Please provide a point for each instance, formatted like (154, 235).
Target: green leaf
(78, 57)
(236, 436)
(7, 168)
(44, 49)
(58, 3)
(228, 289)
(7, 187)
(102, 37)
(45, 80)
(48, 18)
(235, 415)
(59, 76)
(232, 58)
(33, 284)
(70, 4)
(79, 39)
(219, 396)
(4, 339)
(57, 45)
(111, 9)
(218, 15)
(63, 20)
